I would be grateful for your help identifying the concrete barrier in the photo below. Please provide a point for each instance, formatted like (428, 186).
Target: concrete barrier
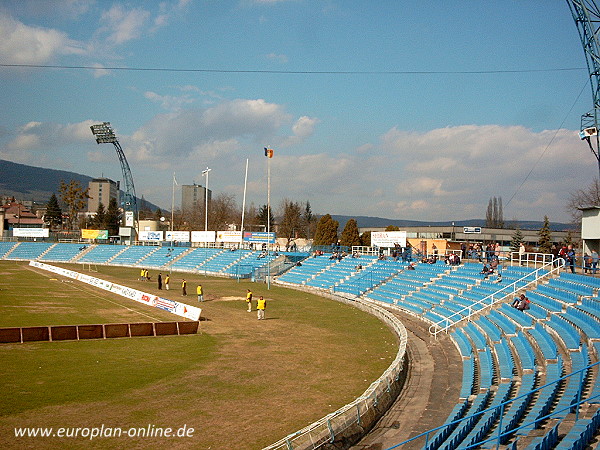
(106, 331)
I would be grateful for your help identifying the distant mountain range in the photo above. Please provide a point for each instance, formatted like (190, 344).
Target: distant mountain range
(35, 183)
(380, 222)
(38, 184)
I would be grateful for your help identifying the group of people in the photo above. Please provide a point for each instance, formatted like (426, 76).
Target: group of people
(261, 305)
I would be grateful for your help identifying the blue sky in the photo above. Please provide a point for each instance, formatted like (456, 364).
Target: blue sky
(432, 107)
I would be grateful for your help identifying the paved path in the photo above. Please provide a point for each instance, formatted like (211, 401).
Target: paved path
(429, 394)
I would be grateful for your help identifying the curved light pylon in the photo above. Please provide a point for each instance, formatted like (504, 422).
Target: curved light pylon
(105, 135)
(587, 18)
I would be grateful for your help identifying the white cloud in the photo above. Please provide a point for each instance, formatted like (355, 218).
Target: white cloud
(23, 44)
(122, 25)
(169, 102)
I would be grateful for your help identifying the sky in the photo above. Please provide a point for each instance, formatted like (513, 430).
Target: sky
(404, 109)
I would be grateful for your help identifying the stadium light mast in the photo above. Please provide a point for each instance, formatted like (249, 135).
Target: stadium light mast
(587, 19)
(105, 135)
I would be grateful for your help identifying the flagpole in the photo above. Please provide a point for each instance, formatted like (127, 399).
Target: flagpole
(205, 172)
(268, 221)
(244, 199)
(173, 203)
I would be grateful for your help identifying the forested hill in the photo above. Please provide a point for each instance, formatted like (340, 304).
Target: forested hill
(36, 183)
(380, 222)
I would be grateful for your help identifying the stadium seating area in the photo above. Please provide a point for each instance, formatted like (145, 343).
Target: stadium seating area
(516, 364)
(513, 361)
(214, 261)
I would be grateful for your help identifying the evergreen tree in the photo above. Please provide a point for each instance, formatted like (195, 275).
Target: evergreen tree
(264, 216)
(350, 235)
(392, 228)
(53, 216)
(326, 232)
(517, 239)
(309, 221)
(365, 239)
(545, 240)
(113, 217)
(99, 221)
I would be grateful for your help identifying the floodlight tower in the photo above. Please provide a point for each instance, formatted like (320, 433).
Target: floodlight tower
(105, 135)
(587, 19)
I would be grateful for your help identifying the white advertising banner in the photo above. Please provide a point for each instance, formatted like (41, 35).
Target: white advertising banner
(156, 236)
(31, 232)
(203, 236)
(179, 236)
(180, 309)
(388, 238)
(229, 236)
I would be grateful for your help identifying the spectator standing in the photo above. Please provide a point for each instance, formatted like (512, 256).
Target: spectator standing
(521, 253)
(571, 258)
(249, 300)
(200, 293)
(167, 279)
(261, 305)
(594, 261)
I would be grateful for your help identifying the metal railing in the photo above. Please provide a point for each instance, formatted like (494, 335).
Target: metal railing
(468, 311)
(500, 437)
(364, 410)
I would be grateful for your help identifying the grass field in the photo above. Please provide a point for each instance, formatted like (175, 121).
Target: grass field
(239, 383)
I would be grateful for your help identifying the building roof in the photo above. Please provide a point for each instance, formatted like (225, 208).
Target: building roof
(16, 213)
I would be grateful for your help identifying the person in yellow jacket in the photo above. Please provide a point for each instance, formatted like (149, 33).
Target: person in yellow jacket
(200, 294)
(167, 279)
(249, 300)
(261, 305)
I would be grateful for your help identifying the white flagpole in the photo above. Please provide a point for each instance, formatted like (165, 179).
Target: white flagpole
(268, 222)
(244, 200)
(173, 203)
(205, 172)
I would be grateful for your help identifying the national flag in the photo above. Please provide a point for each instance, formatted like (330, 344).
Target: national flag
(268, 152)
(175, 180)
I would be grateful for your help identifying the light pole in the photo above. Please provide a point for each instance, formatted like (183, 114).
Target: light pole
(269, 155)
(205, 172)
(106, 135)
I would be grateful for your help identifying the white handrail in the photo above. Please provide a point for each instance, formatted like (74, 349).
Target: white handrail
(467, 312)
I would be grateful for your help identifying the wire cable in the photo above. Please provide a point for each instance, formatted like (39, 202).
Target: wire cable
(548, 145)
(294, 72)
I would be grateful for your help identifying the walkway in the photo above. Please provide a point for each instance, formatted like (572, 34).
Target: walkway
(429, 394)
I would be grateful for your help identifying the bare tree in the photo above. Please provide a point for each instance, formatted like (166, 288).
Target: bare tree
(581, 198)
(223, 212)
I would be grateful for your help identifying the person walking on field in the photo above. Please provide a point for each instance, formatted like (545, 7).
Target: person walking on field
(184, 287)
(200, 294)
(249, 300)
(167, 279)
(261, 305)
